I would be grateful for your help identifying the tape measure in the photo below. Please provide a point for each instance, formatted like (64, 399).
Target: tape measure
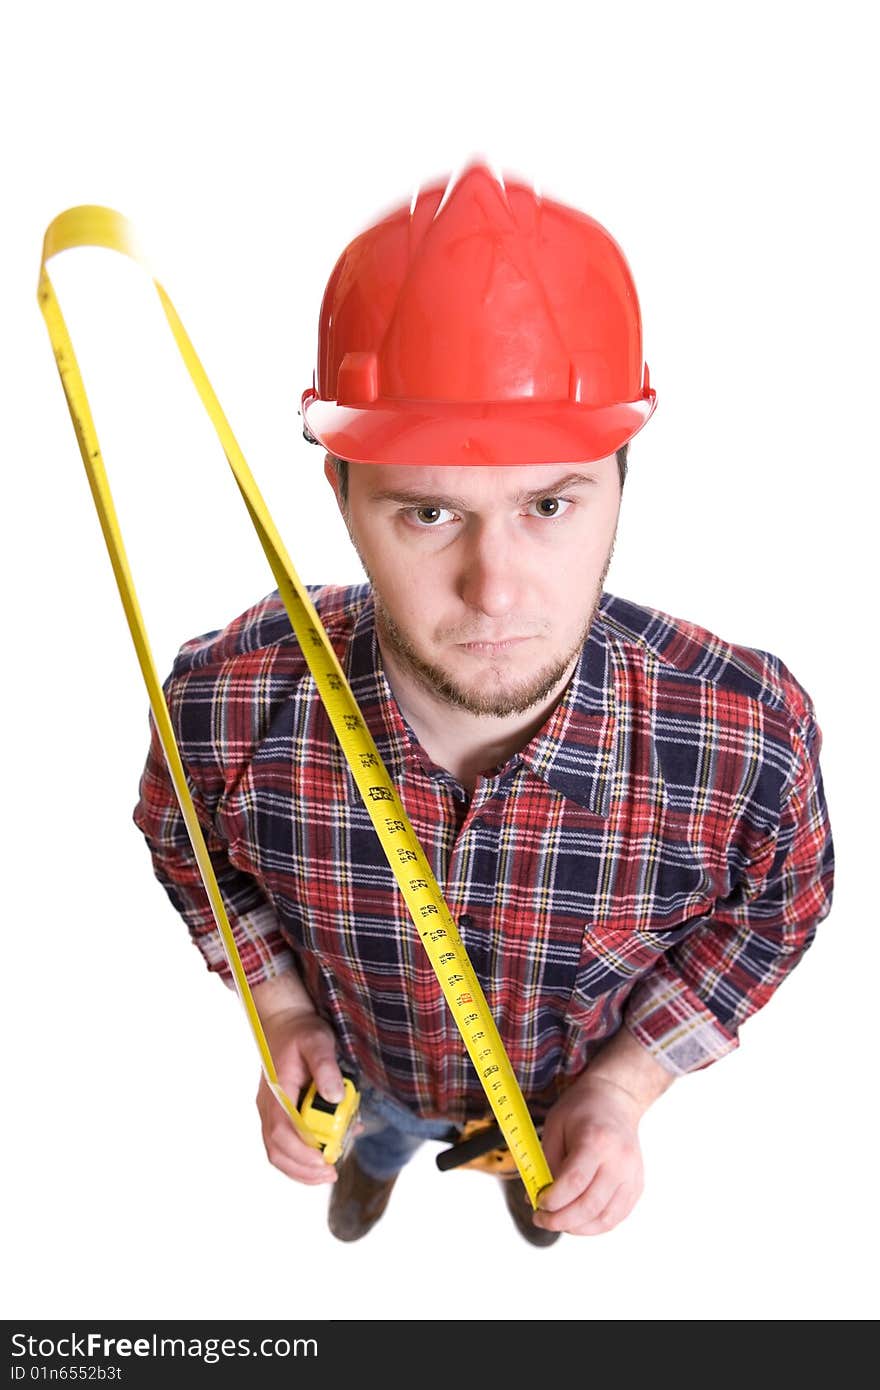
(102, 227)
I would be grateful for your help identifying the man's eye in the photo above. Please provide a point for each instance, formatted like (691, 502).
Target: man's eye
(426, 517)
(551, 506)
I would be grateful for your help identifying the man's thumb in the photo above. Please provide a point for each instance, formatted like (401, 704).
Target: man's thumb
(324, 1071)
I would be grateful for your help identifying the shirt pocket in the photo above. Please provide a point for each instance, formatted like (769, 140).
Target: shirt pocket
(613, 959)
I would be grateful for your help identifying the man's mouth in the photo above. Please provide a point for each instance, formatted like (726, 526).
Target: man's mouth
(492, 648)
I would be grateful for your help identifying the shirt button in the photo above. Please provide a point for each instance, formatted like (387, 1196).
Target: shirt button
(465, 920)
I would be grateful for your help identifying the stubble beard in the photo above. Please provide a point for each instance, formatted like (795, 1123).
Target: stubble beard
(499, 704)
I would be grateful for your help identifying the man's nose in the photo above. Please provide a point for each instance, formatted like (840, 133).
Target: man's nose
(491, 576)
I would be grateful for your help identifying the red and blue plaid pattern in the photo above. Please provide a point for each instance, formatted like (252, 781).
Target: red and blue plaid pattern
(659, 855)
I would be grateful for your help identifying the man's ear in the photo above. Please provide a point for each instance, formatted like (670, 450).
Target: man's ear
(333, 479)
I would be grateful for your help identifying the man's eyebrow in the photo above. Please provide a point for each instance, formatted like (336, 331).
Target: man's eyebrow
(413, 498)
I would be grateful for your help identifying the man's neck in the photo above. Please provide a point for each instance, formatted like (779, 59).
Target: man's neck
(463, 743)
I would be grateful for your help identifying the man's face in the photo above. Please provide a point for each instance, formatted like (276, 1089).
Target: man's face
(486, 580)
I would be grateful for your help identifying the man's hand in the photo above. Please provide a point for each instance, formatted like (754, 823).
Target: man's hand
(591, 1143)
(303, 1048)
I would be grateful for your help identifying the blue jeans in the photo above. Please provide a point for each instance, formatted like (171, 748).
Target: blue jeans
(392, 1134)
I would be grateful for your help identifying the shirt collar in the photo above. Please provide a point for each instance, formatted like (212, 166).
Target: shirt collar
(573, 752)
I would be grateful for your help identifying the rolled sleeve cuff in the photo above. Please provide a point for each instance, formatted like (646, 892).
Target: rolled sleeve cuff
(263, 950)
(674, 1025)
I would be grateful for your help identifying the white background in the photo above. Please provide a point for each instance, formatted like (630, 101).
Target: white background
(732, 152)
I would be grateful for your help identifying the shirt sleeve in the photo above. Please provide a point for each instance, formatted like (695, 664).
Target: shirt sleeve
(688, 1009)
(254, 923)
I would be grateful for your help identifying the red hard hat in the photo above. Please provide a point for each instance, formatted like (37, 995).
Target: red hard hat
(479, 324)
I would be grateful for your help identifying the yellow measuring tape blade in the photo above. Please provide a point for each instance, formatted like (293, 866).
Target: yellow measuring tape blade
(102, 227)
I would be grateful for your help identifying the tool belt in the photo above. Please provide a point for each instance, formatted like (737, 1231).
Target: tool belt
(479, 1145)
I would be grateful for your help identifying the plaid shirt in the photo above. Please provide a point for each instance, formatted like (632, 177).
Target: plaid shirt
(658, 856)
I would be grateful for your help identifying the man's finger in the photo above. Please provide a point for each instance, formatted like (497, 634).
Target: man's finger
(325, 1073)
(573, 1178)
(282, 1143)
(312, 1177)
(621, 1204)
(586, 1207)
(283, 1138)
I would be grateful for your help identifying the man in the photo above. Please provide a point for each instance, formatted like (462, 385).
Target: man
(625, 812)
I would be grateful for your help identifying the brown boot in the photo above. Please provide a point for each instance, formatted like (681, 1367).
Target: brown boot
(357, 1200)
(520, 1208)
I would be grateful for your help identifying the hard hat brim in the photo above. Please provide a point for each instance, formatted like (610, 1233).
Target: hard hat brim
(460, 434)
